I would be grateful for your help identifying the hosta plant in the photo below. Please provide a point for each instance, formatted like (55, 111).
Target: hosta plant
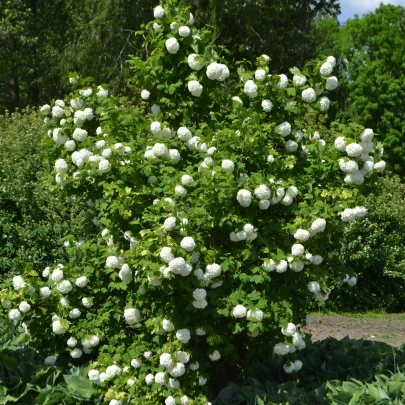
(214, 204)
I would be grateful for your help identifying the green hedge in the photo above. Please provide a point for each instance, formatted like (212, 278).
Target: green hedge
(376, 253)
(32, 218)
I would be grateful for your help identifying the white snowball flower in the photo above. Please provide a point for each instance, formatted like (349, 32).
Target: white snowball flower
(166, 254)
(188, 244)
(177, 370)
(352, 281)
(172, 45)
(180, 191)
(326, 69)
(183, 335)
(76, 353)
(297, 249)
(340, 144)
(262, 192)
(281, 349)
(250, 89)
(380, 166)
(145, 94)
(267, 105)
(291, 146)
(57, 112)
(169, 224)
(76, 104)
(184, 31)
(132, 316)
(309, 95)
(158, 12)
(58, 328)
(61, 166)
(191, 60)
(331, 83)
(166, 360)
(184, 134)
(44, 292)
(367, 135)
(155, 109)
(316, 260)
(331, 60)
(15, 315)
(228, 165)
(289, 330)
(264, 204)
(160, 150)
(354, 149)
(260, 75)
(314, 287)
(112, 262)
(24, 307)
(217, 71)
(49, 361)
(360, 212)
(239, 311)
(283, 129)
(244, 197)
(79, 134)
(195, 88)
(297, 265)
(167, 325)
(170, 401)
(72, 342)
(18, 283)
(213, 270)
(174, 156)
(215, 356)
(318, 226)
(104, 166)
(324, 103)
(45, 108)
(282, 266)
(302, 235)
(186, 180)
(348, 215)
(125, 274)
(256, 314)
(299, 80)
(270, 158)
(64, 287)
(199, 294)
(283, 82)
(87, 302)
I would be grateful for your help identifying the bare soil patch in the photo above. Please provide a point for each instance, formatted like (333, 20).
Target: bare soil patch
(388, 328)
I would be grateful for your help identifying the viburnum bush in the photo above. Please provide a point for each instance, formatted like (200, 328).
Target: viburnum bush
(213, 208)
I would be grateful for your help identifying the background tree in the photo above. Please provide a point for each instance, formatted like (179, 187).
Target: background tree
(373, 49)
(280, 29)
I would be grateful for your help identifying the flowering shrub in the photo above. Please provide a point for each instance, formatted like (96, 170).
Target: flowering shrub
(215, 206)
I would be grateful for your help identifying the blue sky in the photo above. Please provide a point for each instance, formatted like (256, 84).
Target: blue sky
(351, 7)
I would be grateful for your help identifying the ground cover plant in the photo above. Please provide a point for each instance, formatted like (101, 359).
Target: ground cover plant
(335, 372)
(214, 206)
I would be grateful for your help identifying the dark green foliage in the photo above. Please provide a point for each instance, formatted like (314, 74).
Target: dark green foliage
(334, 372)
(375, 251)
(32, 218)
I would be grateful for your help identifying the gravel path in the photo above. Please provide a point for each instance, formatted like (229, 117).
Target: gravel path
(389, 328)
